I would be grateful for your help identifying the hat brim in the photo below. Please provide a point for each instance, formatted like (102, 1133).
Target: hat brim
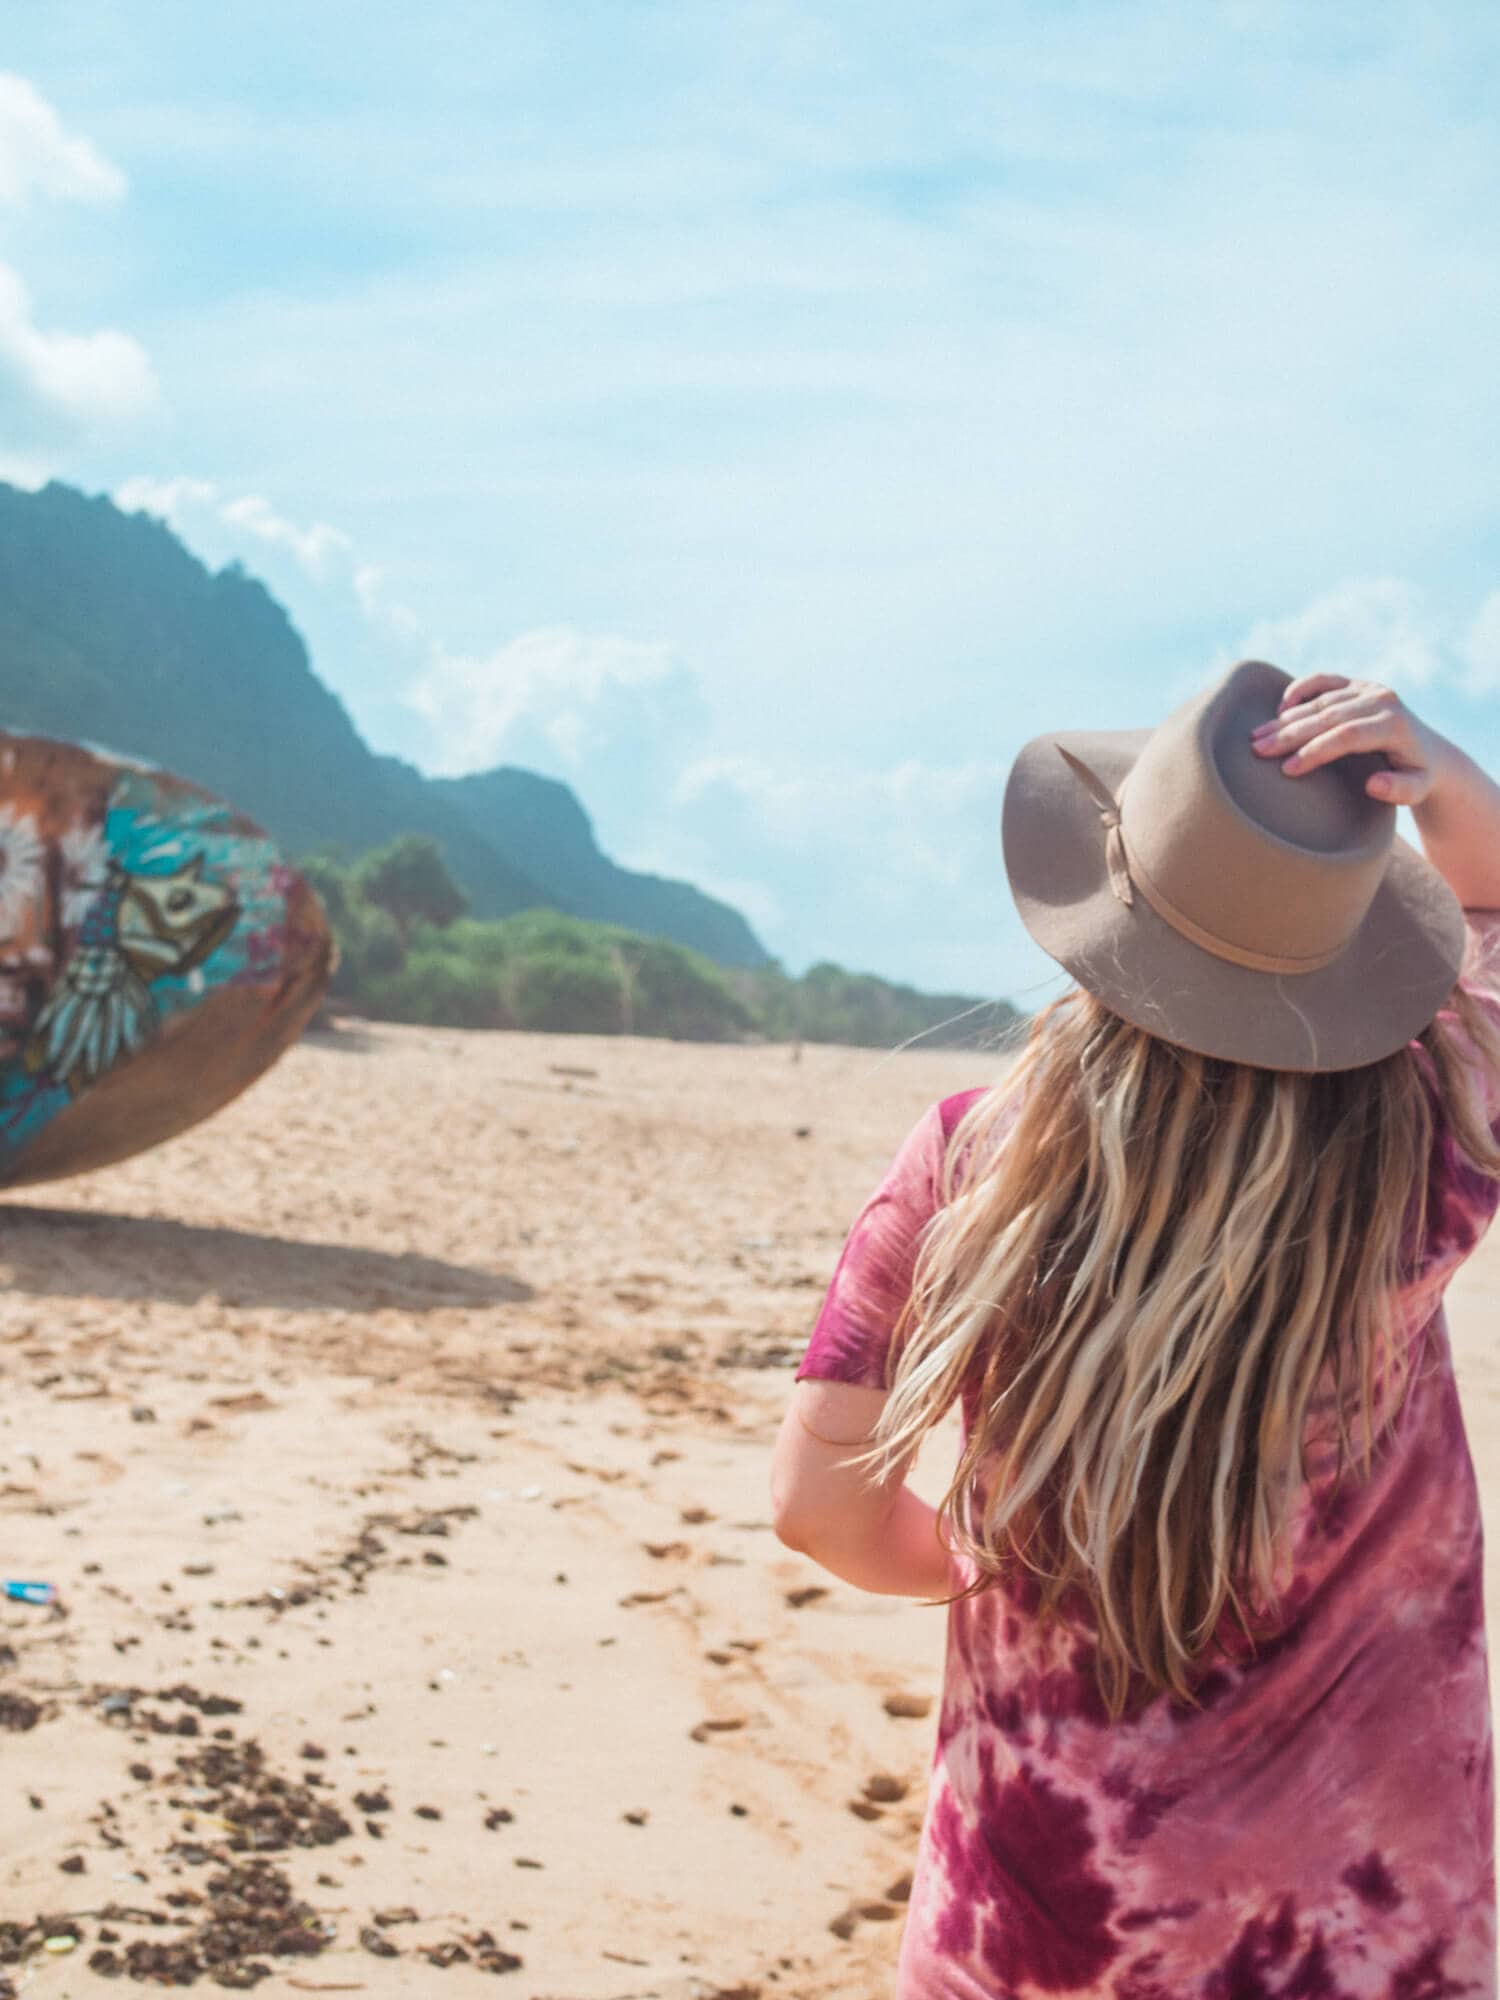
(1381, 991)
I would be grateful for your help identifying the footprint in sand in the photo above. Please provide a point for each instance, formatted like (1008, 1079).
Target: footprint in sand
(885, 1788)
(880, 1790)
(847, 1922)
(716, 1725)
(913, 1706)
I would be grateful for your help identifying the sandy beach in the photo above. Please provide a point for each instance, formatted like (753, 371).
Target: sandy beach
(397, 1444)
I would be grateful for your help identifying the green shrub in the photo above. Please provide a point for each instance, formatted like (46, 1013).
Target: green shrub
(379, 943)
(436, 990)
(564, 993)
(368, 939)
(552, 933)
(475, 940)
(676, 993)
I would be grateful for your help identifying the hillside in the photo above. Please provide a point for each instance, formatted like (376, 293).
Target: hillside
(111, 630)
(555, 835)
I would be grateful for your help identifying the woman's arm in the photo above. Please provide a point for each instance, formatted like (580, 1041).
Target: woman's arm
(1456, 807)
(879, 1536)
(1459, 822)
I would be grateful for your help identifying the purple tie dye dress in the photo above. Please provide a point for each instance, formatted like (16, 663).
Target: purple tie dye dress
(1321, 1827)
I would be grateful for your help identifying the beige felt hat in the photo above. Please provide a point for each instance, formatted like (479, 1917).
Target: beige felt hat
(1198, 891)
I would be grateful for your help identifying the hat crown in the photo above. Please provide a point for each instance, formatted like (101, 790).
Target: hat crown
(1262, 865)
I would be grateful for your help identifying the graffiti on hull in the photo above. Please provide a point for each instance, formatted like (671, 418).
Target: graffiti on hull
(140, 927)
(127, 897)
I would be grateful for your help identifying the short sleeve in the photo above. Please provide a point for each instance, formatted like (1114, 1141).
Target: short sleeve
(1462, 1200)
(873, 1278)
(1480, 978)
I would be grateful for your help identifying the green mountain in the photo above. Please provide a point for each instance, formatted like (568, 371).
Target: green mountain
(112, 631)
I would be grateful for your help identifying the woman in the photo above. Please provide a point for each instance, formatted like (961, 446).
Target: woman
(1215, 1718)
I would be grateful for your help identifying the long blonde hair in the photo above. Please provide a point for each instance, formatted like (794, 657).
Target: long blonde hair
(1146, 1264)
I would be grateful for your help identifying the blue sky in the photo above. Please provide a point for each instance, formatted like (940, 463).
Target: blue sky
(767, 416)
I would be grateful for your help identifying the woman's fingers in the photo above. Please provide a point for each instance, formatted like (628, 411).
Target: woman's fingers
(1309, 686)
(1342, 740)
(1399, 788)
(1296, 726)
(1406, 785)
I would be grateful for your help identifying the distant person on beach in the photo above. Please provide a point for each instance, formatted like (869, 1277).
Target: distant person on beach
(1215, 1716)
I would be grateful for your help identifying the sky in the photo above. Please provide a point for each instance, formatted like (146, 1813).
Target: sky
(767, 415)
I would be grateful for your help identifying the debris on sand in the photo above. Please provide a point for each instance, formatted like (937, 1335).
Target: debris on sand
(248, 1912)
(351, 1569)
(476, 1946)
(259, 1808)
(251, 1910)
(807, 1593)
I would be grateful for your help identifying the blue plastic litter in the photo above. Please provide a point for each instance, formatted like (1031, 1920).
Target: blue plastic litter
(31, 1593)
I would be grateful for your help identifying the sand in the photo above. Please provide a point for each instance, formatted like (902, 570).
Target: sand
(398, 1446)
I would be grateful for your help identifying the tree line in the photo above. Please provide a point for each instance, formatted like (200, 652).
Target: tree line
(409, 951)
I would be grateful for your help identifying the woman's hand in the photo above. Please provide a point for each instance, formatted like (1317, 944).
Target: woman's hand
(1324, 716)
(1456, 807)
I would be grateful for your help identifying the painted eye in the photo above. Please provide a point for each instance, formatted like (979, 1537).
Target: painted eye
(178, 901)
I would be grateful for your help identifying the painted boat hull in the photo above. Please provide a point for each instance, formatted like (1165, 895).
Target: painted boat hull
(156, 956)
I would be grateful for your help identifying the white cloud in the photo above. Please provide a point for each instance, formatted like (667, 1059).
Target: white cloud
(77, 380)
(312, 546)
(564, 687)
(171, 500)
(200, 509)
(24, 469)
(910, 824)
(1370, 628)
(91, 378)
(384, 612)
(317, 548)
(1381, 629)
(37, 155)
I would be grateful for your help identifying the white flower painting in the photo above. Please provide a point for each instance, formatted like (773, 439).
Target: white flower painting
(21, 856)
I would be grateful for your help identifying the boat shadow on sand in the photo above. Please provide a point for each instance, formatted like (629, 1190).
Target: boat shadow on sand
(89, 1253)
